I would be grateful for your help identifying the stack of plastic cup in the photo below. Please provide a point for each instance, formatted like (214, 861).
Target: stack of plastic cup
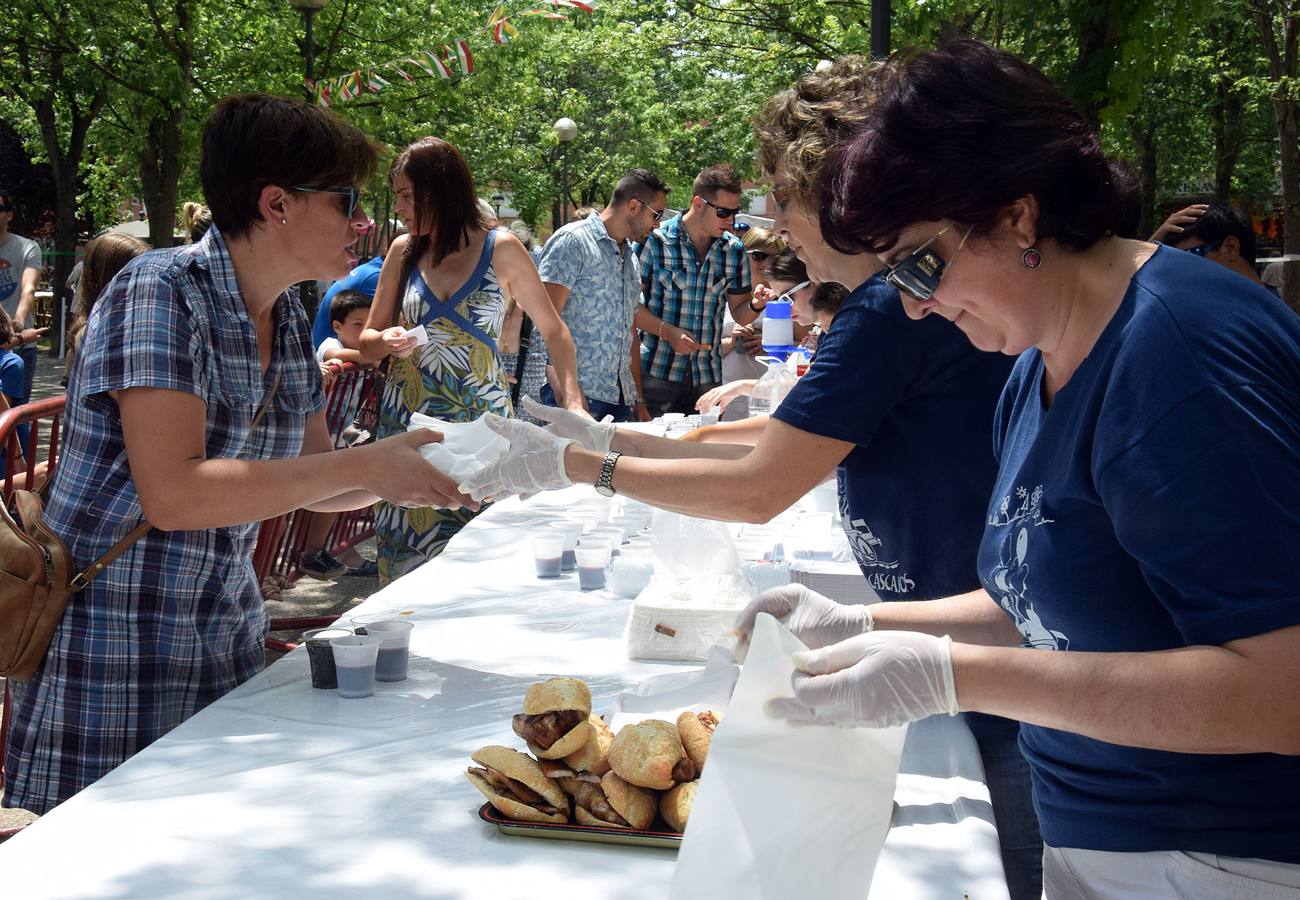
(394, 648)
(354, 661)
(593, 561)
(548, 555)
(569, 532)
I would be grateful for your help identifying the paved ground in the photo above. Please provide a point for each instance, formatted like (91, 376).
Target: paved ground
(306, 598)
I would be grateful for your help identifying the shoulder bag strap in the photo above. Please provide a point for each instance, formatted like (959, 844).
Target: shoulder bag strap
(525, 344)
(85, 576)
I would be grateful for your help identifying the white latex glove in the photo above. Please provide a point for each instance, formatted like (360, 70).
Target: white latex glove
(591, 435)
(875, 680)
(816, 620)
(534, 462)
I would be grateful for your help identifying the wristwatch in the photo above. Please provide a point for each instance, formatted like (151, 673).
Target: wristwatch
(605, 483)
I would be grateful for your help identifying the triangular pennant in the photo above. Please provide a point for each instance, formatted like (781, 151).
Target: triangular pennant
(438, 65)
(464, 56)
(402, 72)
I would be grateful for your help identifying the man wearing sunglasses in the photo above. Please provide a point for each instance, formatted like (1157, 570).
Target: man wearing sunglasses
(692, 270)
(592, 276)
(20, 266)
(1218, 232)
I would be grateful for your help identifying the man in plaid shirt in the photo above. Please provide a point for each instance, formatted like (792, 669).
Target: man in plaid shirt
(692, 268)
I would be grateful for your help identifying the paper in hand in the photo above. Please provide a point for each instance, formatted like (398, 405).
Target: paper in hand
(786, 810)
(420, 333)
(466, 447)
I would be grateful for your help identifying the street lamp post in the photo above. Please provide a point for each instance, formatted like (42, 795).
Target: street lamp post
(309, 8)
(565, 131)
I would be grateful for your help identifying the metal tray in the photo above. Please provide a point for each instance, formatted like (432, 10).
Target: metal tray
(668, 840)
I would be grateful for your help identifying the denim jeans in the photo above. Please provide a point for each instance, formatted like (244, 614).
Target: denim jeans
(663, 396)
(1007, 775)
(27, 353)
(620, 412)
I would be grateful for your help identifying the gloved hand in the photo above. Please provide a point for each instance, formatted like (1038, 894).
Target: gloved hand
(816, 620)
(873, 680)
(591, 435)
(534, 462)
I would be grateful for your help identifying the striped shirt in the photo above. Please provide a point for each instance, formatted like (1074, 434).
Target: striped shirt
(178, 619)
(690, 294)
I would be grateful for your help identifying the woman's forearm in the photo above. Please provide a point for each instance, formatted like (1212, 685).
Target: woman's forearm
(972, 618)
(652, 446)
(1242, 697)
(345, 502)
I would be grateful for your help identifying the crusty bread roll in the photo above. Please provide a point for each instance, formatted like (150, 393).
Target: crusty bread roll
(646, 753)
(593, 756)
(555, 695)
(696, 730)
(525, 770)
(675, 805)
(635, 804)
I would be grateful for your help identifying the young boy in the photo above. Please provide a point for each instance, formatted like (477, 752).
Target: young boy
(348, 312)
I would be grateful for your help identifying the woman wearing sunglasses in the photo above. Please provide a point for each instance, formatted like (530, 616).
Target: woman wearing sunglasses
(448, 280)
(1140, 603)
(196, 403)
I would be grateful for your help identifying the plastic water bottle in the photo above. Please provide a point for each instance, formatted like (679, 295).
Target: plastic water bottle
(771, 388)
(778, 329)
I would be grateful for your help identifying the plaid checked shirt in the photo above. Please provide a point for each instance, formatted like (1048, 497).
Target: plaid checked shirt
(178, 619)
(690, 294)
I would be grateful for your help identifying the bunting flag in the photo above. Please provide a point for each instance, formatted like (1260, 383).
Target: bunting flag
(436, 64)
(464, 56)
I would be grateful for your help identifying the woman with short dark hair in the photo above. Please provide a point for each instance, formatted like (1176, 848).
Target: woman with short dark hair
(196, 404)
(1143, 525)
(449, 277)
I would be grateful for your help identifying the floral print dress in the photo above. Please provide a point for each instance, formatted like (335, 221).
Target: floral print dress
(456, 376)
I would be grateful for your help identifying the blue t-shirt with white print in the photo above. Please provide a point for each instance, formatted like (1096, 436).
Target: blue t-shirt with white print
(917, 399)
(1155, 504)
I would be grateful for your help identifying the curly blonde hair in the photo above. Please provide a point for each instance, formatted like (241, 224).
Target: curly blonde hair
(798, 127)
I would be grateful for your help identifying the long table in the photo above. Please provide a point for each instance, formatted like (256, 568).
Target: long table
(278, 790)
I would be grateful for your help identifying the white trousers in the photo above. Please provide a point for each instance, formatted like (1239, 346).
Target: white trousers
(1072, 874)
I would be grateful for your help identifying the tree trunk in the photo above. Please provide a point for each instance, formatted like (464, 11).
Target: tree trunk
(1145, 136)
(1227, 140)
(160, 169)
(1288, 134)
(1098, 47)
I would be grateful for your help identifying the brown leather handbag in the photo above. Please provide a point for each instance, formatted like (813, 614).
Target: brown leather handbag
(37, 578)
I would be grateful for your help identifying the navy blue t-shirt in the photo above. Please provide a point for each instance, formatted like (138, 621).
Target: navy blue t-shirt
(917, 399)
(1155, 505)
(364, 279)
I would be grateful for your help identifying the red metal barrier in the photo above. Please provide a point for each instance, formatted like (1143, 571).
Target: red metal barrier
(351, 402)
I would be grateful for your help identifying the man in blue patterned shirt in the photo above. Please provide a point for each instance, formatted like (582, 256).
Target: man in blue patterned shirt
(692, 269)
(593, 277)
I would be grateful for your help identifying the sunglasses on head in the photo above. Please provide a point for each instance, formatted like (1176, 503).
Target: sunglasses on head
(920, 272)
(722, 212)
(352, 196)
(759, 255)
(1204, 249)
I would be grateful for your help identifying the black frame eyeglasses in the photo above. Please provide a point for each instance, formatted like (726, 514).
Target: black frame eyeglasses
(919, 273)
(722, 212)
(1206, 248)
(353, 195)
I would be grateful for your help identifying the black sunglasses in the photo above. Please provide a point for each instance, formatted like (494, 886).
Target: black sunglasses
(352, 194)
(920, 272)
(722, 212)
(1204, 249)
(759, 255)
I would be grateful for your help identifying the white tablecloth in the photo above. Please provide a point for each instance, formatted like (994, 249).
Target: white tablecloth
(278, 790)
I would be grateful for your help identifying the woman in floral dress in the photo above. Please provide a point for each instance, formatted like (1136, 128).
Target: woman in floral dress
(450, 277)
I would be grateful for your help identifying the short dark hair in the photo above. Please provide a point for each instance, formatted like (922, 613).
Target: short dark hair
(716, 178)
(828, 297)
(1220, 221)
(785, 266)
(446, 204)
(958, 133)
(6, 199)
(638, 184)
(346, 302)
(254, 140)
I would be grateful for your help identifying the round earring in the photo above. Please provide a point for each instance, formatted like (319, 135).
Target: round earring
(1031, 258)
(284, 221)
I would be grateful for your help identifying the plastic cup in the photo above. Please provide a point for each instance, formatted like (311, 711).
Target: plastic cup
(568, 533)
(592, 562)
(710, 416)
(354, 661)
(548, 556)
(320, 655)
(394, 648)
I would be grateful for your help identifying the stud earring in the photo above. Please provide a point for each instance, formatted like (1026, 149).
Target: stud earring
(284, 221)
(1031, 258)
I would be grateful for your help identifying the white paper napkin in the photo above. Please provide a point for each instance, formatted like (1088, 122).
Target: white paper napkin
(786, 811)
(420, 333)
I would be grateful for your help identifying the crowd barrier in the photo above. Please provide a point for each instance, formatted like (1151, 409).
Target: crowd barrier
(352, 404)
